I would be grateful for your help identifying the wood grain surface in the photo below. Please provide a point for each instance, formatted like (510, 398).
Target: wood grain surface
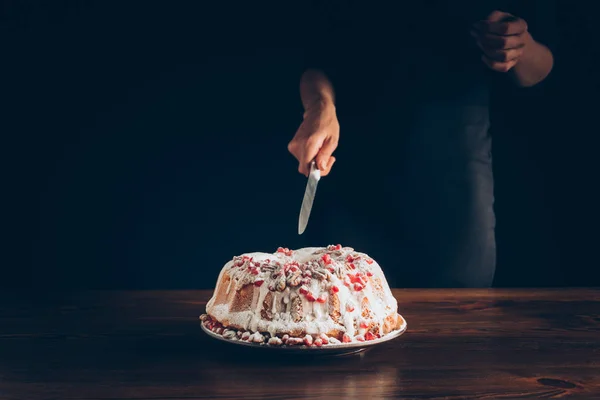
(460, 344)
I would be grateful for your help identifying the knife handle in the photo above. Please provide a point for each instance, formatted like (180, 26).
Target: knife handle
(314, 170)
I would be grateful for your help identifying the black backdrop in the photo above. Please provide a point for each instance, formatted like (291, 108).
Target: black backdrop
(137, 152)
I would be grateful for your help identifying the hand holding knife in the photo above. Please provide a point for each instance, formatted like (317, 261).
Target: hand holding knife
(316, 138)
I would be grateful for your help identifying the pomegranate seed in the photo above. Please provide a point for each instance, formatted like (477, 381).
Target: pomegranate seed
(254, 271)
(351, 266)
(331, 269)
(358, 287)
(308, 340)
(310, 297)
(347, 281)
(349, 307)
(364, 325)
(346, 338)
(369, 261)
(326, 259)
(303, 290)
(293, 268)
(324, 338)
(259, 282)
(335, 289)
(281, 250)
(322, 298)
(337, 247)
(370, 336)
(246, 258)
(369, 273)
(318, 342)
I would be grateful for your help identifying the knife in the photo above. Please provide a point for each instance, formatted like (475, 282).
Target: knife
(309, 197)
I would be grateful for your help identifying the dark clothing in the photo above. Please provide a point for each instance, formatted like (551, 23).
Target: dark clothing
(147, 140)
(413, 185)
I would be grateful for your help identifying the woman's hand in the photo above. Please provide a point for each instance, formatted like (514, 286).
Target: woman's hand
(316, 138)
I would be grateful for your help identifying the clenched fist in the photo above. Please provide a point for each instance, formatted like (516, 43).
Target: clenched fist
(503, 38)
(316, 139)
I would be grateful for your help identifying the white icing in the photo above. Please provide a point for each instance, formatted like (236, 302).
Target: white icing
(315, 274)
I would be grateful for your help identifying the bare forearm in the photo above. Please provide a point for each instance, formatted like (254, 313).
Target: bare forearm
(534, 66)
(316, 90)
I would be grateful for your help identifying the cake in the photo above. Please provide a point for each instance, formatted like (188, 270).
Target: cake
(311, 296)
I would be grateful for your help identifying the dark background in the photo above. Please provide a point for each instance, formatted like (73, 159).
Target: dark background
(144, 144)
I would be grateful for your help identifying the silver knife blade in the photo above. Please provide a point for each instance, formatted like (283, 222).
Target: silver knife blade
(309, 197)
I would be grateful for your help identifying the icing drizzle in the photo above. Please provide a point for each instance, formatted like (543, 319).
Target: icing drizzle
(306, 279)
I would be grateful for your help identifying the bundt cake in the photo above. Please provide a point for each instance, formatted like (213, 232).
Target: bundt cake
(311, 296)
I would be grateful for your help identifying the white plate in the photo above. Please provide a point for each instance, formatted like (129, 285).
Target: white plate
(329, 349)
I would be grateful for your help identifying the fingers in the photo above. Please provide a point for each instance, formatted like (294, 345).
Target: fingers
(316, 140)
(305, 151)
(499, 66)
(495, 42)
(324, 155)
(502, 38)
(506, 28)
(502, 24)
(504, 56)
(325, 171)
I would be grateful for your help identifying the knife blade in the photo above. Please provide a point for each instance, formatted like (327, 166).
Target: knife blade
(309, 197)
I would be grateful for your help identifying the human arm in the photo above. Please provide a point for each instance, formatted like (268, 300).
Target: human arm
(318, 134)
(509, 47)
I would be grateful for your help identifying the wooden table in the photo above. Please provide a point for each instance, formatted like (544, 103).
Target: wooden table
(460, 344)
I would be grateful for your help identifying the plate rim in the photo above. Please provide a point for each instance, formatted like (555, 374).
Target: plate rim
(330, 347)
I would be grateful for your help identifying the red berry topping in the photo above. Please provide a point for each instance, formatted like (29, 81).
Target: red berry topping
(346, 338)
(324, 338)
(360, 338)
(349, 307)
(369, 261)
(337, 247)
(239, 262)
(364, 325)
(357, 278)
(303, 290)
(369, 273)
(358, 287)
(351, 265)
(322, 298)
(326, 259)
(370, 336)
(308, 340)
(254, 271)
(335, 289)
(285, 251)
(310, 297)
(259, 282)
(318, 342)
